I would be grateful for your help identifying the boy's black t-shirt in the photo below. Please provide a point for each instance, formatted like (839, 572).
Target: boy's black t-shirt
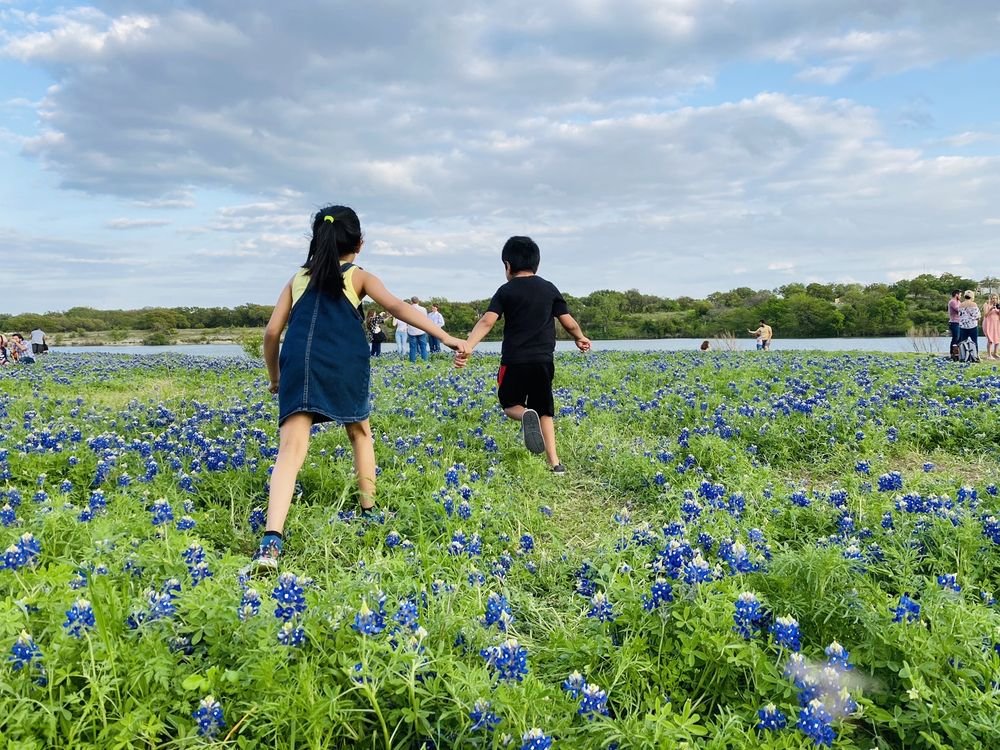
(529, 303)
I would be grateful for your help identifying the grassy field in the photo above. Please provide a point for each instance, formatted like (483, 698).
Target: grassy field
(778, 551)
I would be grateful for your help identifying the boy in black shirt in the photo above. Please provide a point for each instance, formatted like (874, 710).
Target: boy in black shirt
(524, 382)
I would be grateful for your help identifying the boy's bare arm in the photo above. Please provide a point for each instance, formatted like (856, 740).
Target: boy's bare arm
(569, 324)
(482, 327)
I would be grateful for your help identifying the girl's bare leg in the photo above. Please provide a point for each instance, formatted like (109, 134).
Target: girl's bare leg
(293, 443)
(360, 435)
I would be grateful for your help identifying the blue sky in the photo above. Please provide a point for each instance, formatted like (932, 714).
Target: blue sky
(162, 153)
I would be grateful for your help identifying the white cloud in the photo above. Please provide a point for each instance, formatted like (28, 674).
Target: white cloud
(135, 223)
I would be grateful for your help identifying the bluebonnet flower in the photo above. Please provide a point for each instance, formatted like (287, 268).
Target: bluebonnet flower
(863, 467)
(574, 685)
(890, 481)
(476, 578)
(800, 498)
(367, 622)
(393, 539)
(23, 552)
(593, 701)
(464, 510)
(24, 652)
(249, 605)
(527, 543)
(546, 511)
(483, 717)
(498, 612)
(7, 516)
(786, 633)
(771, 719)
(600, 608)
(697, 571)
(291, 635)
(928, 466)
(509, 660)
(738, 558)
(887, 522)
(949, 581)
(162, 513)
(748, 615)
(407, 614)
(209, 717)
(186, 523)
(79, 618)
(660, 592)
(907, 610)
(814, 722)
(623, 517)
(258, 517)
(290, 595)
(838, 656)
(535, 739)
(991, 529)
(65, 486)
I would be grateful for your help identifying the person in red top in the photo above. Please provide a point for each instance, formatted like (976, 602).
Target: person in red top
(953, 303)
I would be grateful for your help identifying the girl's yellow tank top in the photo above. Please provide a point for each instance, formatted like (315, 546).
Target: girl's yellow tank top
(301, 280)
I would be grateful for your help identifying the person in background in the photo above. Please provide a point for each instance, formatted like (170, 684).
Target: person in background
(375, 333)
(763, 334)
(968, 319)
(528, 304)
(417, 337)
(953, 327)
(705, 345)
(991, 326)
(21, 350)
(400, 327)
(438, 319)
(4, 358)
(38, 345)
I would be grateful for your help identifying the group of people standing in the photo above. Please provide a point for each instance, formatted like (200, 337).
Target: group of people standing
(16, 349)
(410, 340)
(964, 318)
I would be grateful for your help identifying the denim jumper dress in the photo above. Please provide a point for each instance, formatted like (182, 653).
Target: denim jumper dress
(325, 363)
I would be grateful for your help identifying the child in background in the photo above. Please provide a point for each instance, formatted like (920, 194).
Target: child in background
(323, 371)
(524, 382)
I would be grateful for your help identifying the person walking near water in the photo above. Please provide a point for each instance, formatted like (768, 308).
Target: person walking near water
(438, 318)
(953, 327)
(991, 326)
(400, 327)
(968, 322)
(38, 345)
(763, 334)
(323, 370)
(417, 337)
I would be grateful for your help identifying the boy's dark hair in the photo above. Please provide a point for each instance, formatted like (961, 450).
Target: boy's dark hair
(336, 232)
(763, 322)
(955, 291)
(521, 254)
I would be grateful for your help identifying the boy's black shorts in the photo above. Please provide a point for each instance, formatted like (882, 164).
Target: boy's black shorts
(528, 385)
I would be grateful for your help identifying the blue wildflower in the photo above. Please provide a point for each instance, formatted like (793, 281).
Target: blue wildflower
(600, 608)
(837, 656)
(509, 660)
(786, 633)
(249, 605)
(367, 622)
(290, 595)
(771, 719)
(79, 618)
(209, 717)
(498, 612)
(907, 610)
(483, 717)
(291, 635)
(593, 701)
(162, 513)
(748, 615)
(814, 722)
(660, 592)
(535, 739)
(527, 543)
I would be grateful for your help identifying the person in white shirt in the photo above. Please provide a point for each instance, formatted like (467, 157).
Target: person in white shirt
(38, 341)
(400, 327)
(416, 337)
(436, 317)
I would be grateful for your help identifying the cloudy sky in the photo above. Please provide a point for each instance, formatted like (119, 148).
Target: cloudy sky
(171, 153)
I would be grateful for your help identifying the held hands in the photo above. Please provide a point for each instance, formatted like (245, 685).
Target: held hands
(583, 344)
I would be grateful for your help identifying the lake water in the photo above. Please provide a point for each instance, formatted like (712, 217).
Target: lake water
(893, 345)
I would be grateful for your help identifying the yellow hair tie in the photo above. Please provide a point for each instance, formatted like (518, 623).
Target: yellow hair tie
(329, 219)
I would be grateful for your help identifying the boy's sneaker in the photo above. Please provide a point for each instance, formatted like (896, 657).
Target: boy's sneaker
(532, 429)
(558, 469)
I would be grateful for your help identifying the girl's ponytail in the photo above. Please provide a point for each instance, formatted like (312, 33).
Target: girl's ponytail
(336, 232)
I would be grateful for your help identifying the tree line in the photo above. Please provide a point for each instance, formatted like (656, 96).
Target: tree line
(794, 311)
